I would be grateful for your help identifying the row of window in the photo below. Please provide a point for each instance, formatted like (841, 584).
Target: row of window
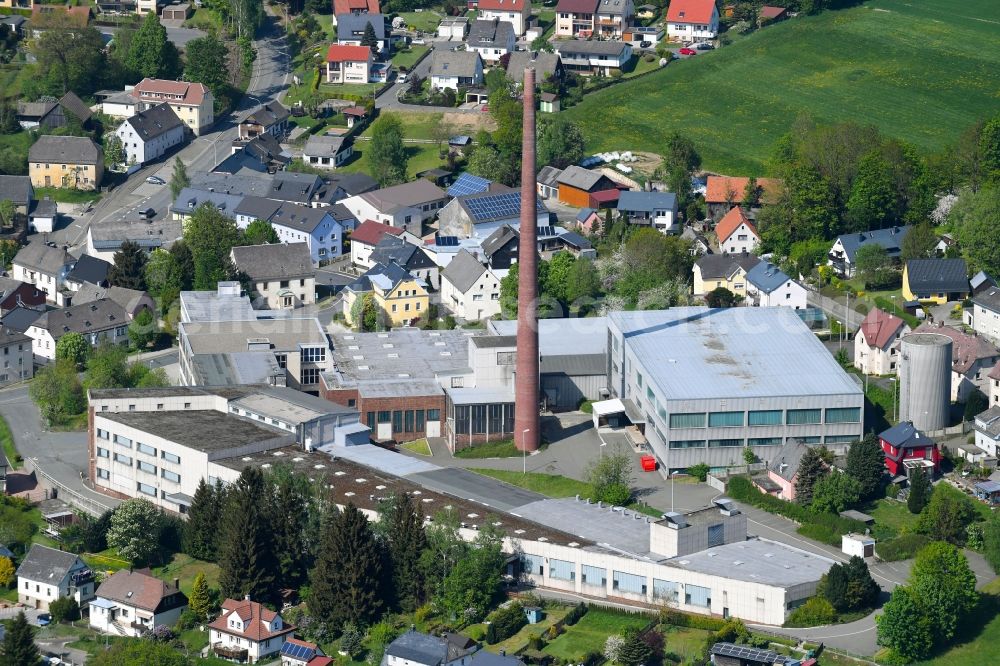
(483, 419)
(149, 468)
(409, 420)
(125, 442)
(313, 354)
(767, 417)
(757, 441)
(694, 595)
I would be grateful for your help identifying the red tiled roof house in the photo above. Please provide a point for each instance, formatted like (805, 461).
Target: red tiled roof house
(247, 631)
(736, 233)
(692, 20)
(906, 448)
(354, 7)
(876, 346)
(192, 102)
(348, 64)
(515, 12)
(722, 193)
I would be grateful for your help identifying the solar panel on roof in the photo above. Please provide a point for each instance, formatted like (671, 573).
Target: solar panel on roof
(446, 241)
(300, 652)
(468, 184)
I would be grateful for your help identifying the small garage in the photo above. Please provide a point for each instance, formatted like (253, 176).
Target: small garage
(178, 12)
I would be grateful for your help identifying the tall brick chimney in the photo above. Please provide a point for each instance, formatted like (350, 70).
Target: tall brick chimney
(526, 424)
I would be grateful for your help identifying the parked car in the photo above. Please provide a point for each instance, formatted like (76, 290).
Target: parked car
(401, 78)
(645, 45)
(44, 619)
(155, 180)
(704, 46)
(688, 52)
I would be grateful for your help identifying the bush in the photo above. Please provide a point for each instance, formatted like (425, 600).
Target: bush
(575, 614)
(820, 533)
(901, 548)
(815, 611)
(892, 491)
(741, 489)
(505, 622)
(64, 609)
(188, 620)
(699, 471)
(691, 621)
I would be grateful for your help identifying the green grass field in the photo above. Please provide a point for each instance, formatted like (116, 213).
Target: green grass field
(919, 71)
(7, 441)
(504, 449)
(589, 634)
(978, 641)
(408, 57)
(427, 20)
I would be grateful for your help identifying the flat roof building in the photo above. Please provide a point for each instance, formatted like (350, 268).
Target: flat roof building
(705, 382)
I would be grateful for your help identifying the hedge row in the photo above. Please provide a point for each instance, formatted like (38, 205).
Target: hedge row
(901, 548)
(742, 489)
(692, 621)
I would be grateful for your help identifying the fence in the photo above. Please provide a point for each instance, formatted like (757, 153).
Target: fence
(718, 480)
(64, 492)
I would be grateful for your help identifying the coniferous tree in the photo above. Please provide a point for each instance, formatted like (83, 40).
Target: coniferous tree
(866, 464)
(346, 581)
(920, 491)
(288, 518)
(370, 39)
(129, 269)
(246, 548)
(19, 647)
(200, 601)
(811, 469)
(202, 526)
(404, 527)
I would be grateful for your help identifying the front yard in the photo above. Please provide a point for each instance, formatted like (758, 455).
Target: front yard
(590, 633)
(425, 21)
(406, 58)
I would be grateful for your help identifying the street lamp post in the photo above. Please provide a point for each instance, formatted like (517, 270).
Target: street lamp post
(524, 452)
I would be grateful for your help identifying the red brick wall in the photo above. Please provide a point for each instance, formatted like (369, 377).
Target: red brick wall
(402, 403)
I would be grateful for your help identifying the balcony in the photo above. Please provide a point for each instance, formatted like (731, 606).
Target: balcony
(229, 652)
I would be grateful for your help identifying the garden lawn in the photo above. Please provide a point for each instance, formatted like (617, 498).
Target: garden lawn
(67, 195)
(519, 641)
(893, 515)
(334, 90)
(427, 21)
(978, 641)
(106, 560)
(685, 642)
(407, 58)
(899, 66)
(422, 156)
(186, 568)
(418, 446)
(504, 449)
(7, 442)
(589, 634)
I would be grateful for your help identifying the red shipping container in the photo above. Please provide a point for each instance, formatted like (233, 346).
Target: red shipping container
(648, 463)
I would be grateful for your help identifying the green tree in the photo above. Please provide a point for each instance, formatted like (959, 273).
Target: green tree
(387, 156)
(806, 255)
(920, 490)
(866, 464)
(905, 627)
(835, 492)
(211, 236)
(288, 520)
(150, 53)
(346, 582)
(8, 574)
(57, 391)
(872, 262)
(849, 586)
(134, 531)
(107, 367)
(73, 347)
(947, 515)
(69, 58)
(560, 143)
(260, 232)
(247, 563)
(611, 477)
(872, 197)
(19, 647)
(65, 609)
(813, 204)
(944, 583)
(140, 652)
(404, 531)
(680, 151)
(202, 527)
(508, 293)
(991, 541)
(370, 313)
(129, 268)
(583, 284)
(114, 151)
(811, 470)
(142, 330)
(179, 179)
(976, 216)
(487, 162)
(918, 243)
(8, 211)
(989, 148)
(200, 601)
(474, 582)
(634, 651)
(207, 61)
(720, 297)
(369, 38)
(162, 273)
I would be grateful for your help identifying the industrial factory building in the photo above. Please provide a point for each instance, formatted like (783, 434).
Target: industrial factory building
(703, 383)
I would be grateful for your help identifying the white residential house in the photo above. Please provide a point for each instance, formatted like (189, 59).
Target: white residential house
(282, 273)
(736, 233)
(47, 574)
(417, 649)
(470, 290)
(404, 206)
(97, 321)
(988, 431)
(986, 314)
(575, 18)
(658, 209)
(192, 102)
(45, 268)
(972, 360)
(613, 18)
(312, 226)
(456, 69)
(247, 631)
(491, 39)
(348, 64)
(297, 652)
(769, 286)
(327, 151)
(692, 20)
(593, 57)
(515, 12)
(876, 344)
(149, 134)
(132, 603)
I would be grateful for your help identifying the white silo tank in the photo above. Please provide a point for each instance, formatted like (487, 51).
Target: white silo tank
(925, 380)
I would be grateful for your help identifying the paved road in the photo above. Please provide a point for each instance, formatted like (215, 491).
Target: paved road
(269, 80)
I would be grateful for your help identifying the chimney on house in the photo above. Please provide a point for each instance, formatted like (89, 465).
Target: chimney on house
(526, 435)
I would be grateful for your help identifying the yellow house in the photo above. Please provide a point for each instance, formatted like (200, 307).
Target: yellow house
(65, 161)
(935, 280)
(399, 296)
(712, 271)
